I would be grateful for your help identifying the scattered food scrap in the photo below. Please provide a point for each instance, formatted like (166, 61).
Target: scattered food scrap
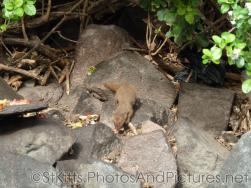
(19, 102)
(5, 103)
(84, 120)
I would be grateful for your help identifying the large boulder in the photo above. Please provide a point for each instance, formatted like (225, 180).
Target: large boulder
(95, 173)
(94, 141)
(236, 169)
(44, 140)
(102, 47)
(199, 156)
(149, 126)
(133, 68)
(97, 43)
(87, 104)
(17, 171)
(154, 92)
(150, 157)
(206, 107)
(50, 94)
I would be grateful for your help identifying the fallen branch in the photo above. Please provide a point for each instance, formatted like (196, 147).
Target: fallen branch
(43, 49)
(51, 32)
(20, 71)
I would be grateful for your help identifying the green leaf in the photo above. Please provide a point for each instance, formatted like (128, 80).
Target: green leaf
(6, 1)
(240, 62)
(167, 16)
(248, 66)
(246, 86)
(18, 3)
(222, 44)
(205, 61)
(216, 39)
(7, 14)
(222, 1)
(216, 53)
(91, 70)
(224, 8)
(30, 2)
(240, 45)
(3, 27)
(230, 61)
(9, 6)
(19, 12)
(204, 57)
(216, 61)
(189, 18)
(189, 8)
(30, 10)
(228, 37)
(229, 51)
(181, 11)
(248, 73)
(207, 52)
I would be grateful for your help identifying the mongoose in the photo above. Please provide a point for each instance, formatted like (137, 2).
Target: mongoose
(126, 98)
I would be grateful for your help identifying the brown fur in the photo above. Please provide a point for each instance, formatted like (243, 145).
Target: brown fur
(126, 98)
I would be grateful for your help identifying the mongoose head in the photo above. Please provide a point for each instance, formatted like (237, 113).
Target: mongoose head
(119, 119)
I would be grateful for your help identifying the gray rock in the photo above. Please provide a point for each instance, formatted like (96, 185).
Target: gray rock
(132, 68)
(95, 174)
(67, 104)
(155, 93)
(22, 109)
(97, 43)
(29, 83)
(44, 140)
(146, 109)
(94, 141)
(155, 98)
(198, 154)
(236, 171)
(149, 156)
(87, 104)
(6, 92)
(80, 101)
(49, 94)
(149, 126)
(18, 171)
(230, 138)
(55, 114)
(207, 108)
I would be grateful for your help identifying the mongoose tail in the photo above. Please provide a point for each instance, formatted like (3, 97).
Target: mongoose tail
(112, 86)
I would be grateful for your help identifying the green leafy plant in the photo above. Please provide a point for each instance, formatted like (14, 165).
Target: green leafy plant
(186, 24)
(181, 15)
(233, 48)
(235, 45)
(14, 10)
